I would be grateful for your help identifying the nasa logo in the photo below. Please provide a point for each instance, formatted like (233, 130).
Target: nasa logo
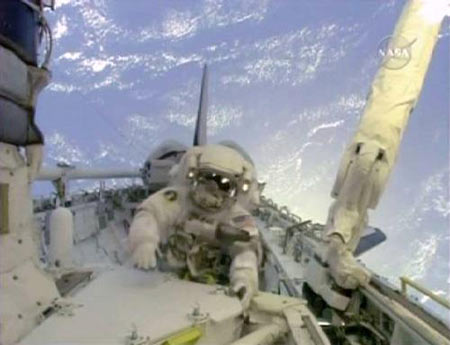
(395, 51)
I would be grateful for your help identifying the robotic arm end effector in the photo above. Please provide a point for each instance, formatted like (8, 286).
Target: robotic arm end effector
(359, 184)
(343, 267)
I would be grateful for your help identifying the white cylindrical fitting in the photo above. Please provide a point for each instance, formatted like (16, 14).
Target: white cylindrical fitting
(61, 237)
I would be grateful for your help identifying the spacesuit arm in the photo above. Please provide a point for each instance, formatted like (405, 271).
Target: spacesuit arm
(144, 239)
(246, 259)
(244, 276)
(150, 226)
(144, 228)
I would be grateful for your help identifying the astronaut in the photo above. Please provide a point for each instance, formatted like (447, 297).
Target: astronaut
(200, 223)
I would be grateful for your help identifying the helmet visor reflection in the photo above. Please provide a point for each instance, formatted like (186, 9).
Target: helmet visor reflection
(223, 183)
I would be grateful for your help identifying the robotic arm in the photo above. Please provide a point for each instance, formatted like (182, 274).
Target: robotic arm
(369, 159)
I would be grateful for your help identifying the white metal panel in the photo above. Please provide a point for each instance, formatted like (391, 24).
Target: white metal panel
(30, 284)
(15, 248)
(156, 304)
(25, 293)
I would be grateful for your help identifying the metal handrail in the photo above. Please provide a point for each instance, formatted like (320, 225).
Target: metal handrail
(406, 281)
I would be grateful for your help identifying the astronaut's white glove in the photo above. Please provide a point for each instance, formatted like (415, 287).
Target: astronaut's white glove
(343, 267)
(144, 255)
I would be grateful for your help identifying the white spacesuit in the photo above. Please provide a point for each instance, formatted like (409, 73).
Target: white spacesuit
(199, 223)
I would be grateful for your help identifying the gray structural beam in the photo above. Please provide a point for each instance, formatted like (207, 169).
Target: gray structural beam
(52, 174)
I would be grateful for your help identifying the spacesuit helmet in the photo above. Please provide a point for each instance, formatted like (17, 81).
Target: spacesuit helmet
(250, 200)
(217, 175)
